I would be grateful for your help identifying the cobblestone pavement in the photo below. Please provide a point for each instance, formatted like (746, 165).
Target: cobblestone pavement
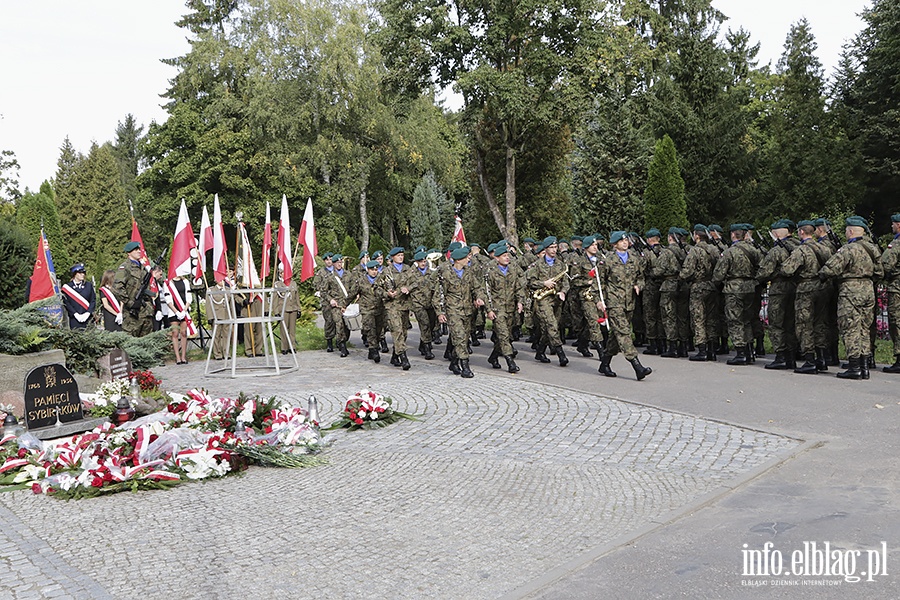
(500, 482)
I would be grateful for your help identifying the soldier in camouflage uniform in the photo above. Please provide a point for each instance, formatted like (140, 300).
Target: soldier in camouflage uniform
(717, 239)
(782, 292)
(856, 266)
(672, 307)
(890, 264)
(457, 293)
(337, 293)
(650, 295)
(322, 273)
(421, 304)
(505, 294)
(622, 278)
(697, 270)
(826, 237)
(547, 277)
(371, 307)
(479, 262)
(398, 281)
(584, 289)
(809, 305)
(127, 284)
(735, 270)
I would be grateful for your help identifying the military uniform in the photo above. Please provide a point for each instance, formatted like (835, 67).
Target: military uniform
(548, 309)
(420, 304)
(454, 297)
(126, 285)
(337, 287)
(330, 327)
(650, 298)
(371, 308)
(736, 270)
(804, 264)
(782, 291)
(504, 293)
(890, 264)
(673, 297)
(286, 298)
(697, 271)
(217, 309)
(393, 279)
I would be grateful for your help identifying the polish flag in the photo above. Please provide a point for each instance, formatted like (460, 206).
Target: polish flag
(267, 244)
(458, 234)
(220, 261)
(184, 242)
(41, 280)
(307, 238)
(284, 242)
(206, 242)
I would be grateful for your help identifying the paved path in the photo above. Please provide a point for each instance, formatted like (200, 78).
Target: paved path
(553, 483)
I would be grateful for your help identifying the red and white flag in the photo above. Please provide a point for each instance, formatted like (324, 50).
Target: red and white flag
(285, 258)
(220, 261)
(41, 280)
(246, 273)
(206, 242)
(183, 243)
(308, 239)
(267, 244)
(458, 234)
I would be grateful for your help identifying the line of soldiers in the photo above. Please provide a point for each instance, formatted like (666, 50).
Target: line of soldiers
(695, 292)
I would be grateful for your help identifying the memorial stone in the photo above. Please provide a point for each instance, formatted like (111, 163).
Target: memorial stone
(52, 404)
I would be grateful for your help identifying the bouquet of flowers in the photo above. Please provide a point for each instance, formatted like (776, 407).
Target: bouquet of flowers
(102, 403)
(367, 410)
(147, 381)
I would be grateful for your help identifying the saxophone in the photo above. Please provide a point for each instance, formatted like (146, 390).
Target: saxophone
(546, 291)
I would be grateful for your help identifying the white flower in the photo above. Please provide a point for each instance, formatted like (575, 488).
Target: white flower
(28, 473)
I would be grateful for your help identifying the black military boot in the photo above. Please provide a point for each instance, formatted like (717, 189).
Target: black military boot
(682, 350)
(702, 355)
(761, 345)
(640, 340)
(329, 345)
(833, 359)
(395, 360)
(454, 366)
(373, 352)
(539, 355)
(429, 353)
(741, 357)
(790, 359)
(582, 348)
(821, 365)
(864, 363)
(870, 362)
(365, 341)
(779, 364)
(640, 371)
(511, 365)
(404, 361)
(479, 333)
(516, 333)
(384, 347)
(493, 359)
(474, 339)
(671, 351)
(894, 368)
(464, 369)
(342, 346)
(853, 370)
(604, 365)
(723, 346)
(436, 338)
(561, 355)
(422, 348)
(809, 365)
(711, 352)
(652, 348)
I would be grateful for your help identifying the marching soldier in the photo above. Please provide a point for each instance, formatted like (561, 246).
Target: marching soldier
(397, 282)
(856, 265)
(782, 293)
(457, 293)
(371, 308)
(672, 307)
(323, 273)
(336, 295)
(736, 270)
(79, 298)
(622, 278)
(420, 302)
(505, 293)
(697, 271)
(548, 281)
(585, 289)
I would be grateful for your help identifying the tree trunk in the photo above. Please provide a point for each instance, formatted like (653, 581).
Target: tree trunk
(488, 194)
(364, 219)
(511, 234)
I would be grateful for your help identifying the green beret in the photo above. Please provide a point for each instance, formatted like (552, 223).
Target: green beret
(716, 228)
(327, 255)
(578, 237)
(420, 248)
(895, 218)
(806, 223)
(362, 254)
(131, 246)
(654, 232)
(396, 250)
(473, 244)
(738, 227)
(750, 226)
(528, 240)
(700, 228)
(615, 236)
(336, 257)
(501, 249)
(492, 247)
(789, 224)
(377, 253)
(563, 241)
(460, 253)
(420, 255)
(675, 231)
(779, 224)
(857, 221)
(453, 246)
(588, 240)
(548, 241)
(820, 222)
(372, 264)
(683, 231)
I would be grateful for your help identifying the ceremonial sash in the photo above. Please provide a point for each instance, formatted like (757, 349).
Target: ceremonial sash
(179, 303)
(112, 300)
(77, 297)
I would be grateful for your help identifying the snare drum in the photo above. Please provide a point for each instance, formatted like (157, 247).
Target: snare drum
(352, 318)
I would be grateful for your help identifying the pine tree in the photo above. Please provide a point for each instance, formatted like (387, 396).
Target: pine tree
(33, 210)
(424, 226)
(127, 151)
(664, 203)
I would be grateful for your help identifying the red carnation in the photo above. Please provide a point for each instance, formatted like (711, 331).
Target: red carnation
(36, 488)
(97, 482)
(358, 421)
(22, 453)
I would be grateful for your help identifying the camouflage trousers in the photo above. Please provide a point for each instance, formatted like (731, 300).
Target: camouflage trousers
(137, 326)
(620, 332)
(502, 335)
(782, 322)
(894, 320)
(757, 323)
(650, 297)
(341, 331)
(704, 313)
(397, 320)
(812, 331)
(547, 312)
(675, 314)
(373, 318)
(856, 308)
(460, 326)
(739, 316)
(427, 320)
(593, 330)
(330, 328)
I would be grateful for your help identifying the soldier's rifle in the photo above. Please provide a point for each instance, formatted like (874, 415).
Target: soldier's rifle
(767, 243)
(679, 241)
(638, 242)
(714, 240)
(833, 237)
(141, 296)
(487, 290)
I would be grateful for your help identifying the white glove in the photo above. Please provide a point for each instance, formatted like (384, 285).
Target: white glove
(159, 315)
(318, 294)
(182, 315)
(119, 318)
(82, 317)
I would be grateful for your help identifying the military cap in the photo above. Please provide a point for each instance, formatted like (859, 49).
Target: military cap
(789, 224)
(396, 250)
(578, 237)
(654, 232)
(372, 264)
(336, 257)
(683, 231)
(528, 240)
(675, 231)
(895, 218)
(328, 255)
(779, 224)
(548, 241)
(78, 267)
(615, 236)
(806, 223)
(492, 247)
(453, 246)
(131, 246)
(432, 251)
(420, 255)
(503, 242)
(716, 228)
(377, 253)
(750, 226)
(738, 227)
(473, 244)
(857, 221)
(501, 250)
(420, 248)
(588, 240)
(820, 222)
(460, 253)
(563, 241)
(363, 253)
(701, 228)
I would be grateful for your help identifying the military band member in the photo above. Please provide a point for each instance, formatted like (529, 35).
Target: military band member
(505, 295)
(457, 293)
(420, 302)
(79, 298)
(336, 295)
(584, 288)
(890, 264)
(736, 271)
(548, 281)
(322, 273)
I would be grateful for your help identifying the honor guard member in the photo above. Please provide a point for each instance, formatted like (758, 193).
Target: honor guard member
(804, 265)
(736, 271)
(547, 279)
(336, 294)
(505, 294)
(286, 303)
(79, 298)
(420, 301)
(397, 281)
(323, 273)
(697, 271)
(650, 295)
(673, 309)
(827, 237)
(139, 311)
(110, 307)
(622, 278)
(371, 308)
(890, 264)
(782, 292)
(585, 288)
(856, 266)
(217, 310)
(457, 293)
